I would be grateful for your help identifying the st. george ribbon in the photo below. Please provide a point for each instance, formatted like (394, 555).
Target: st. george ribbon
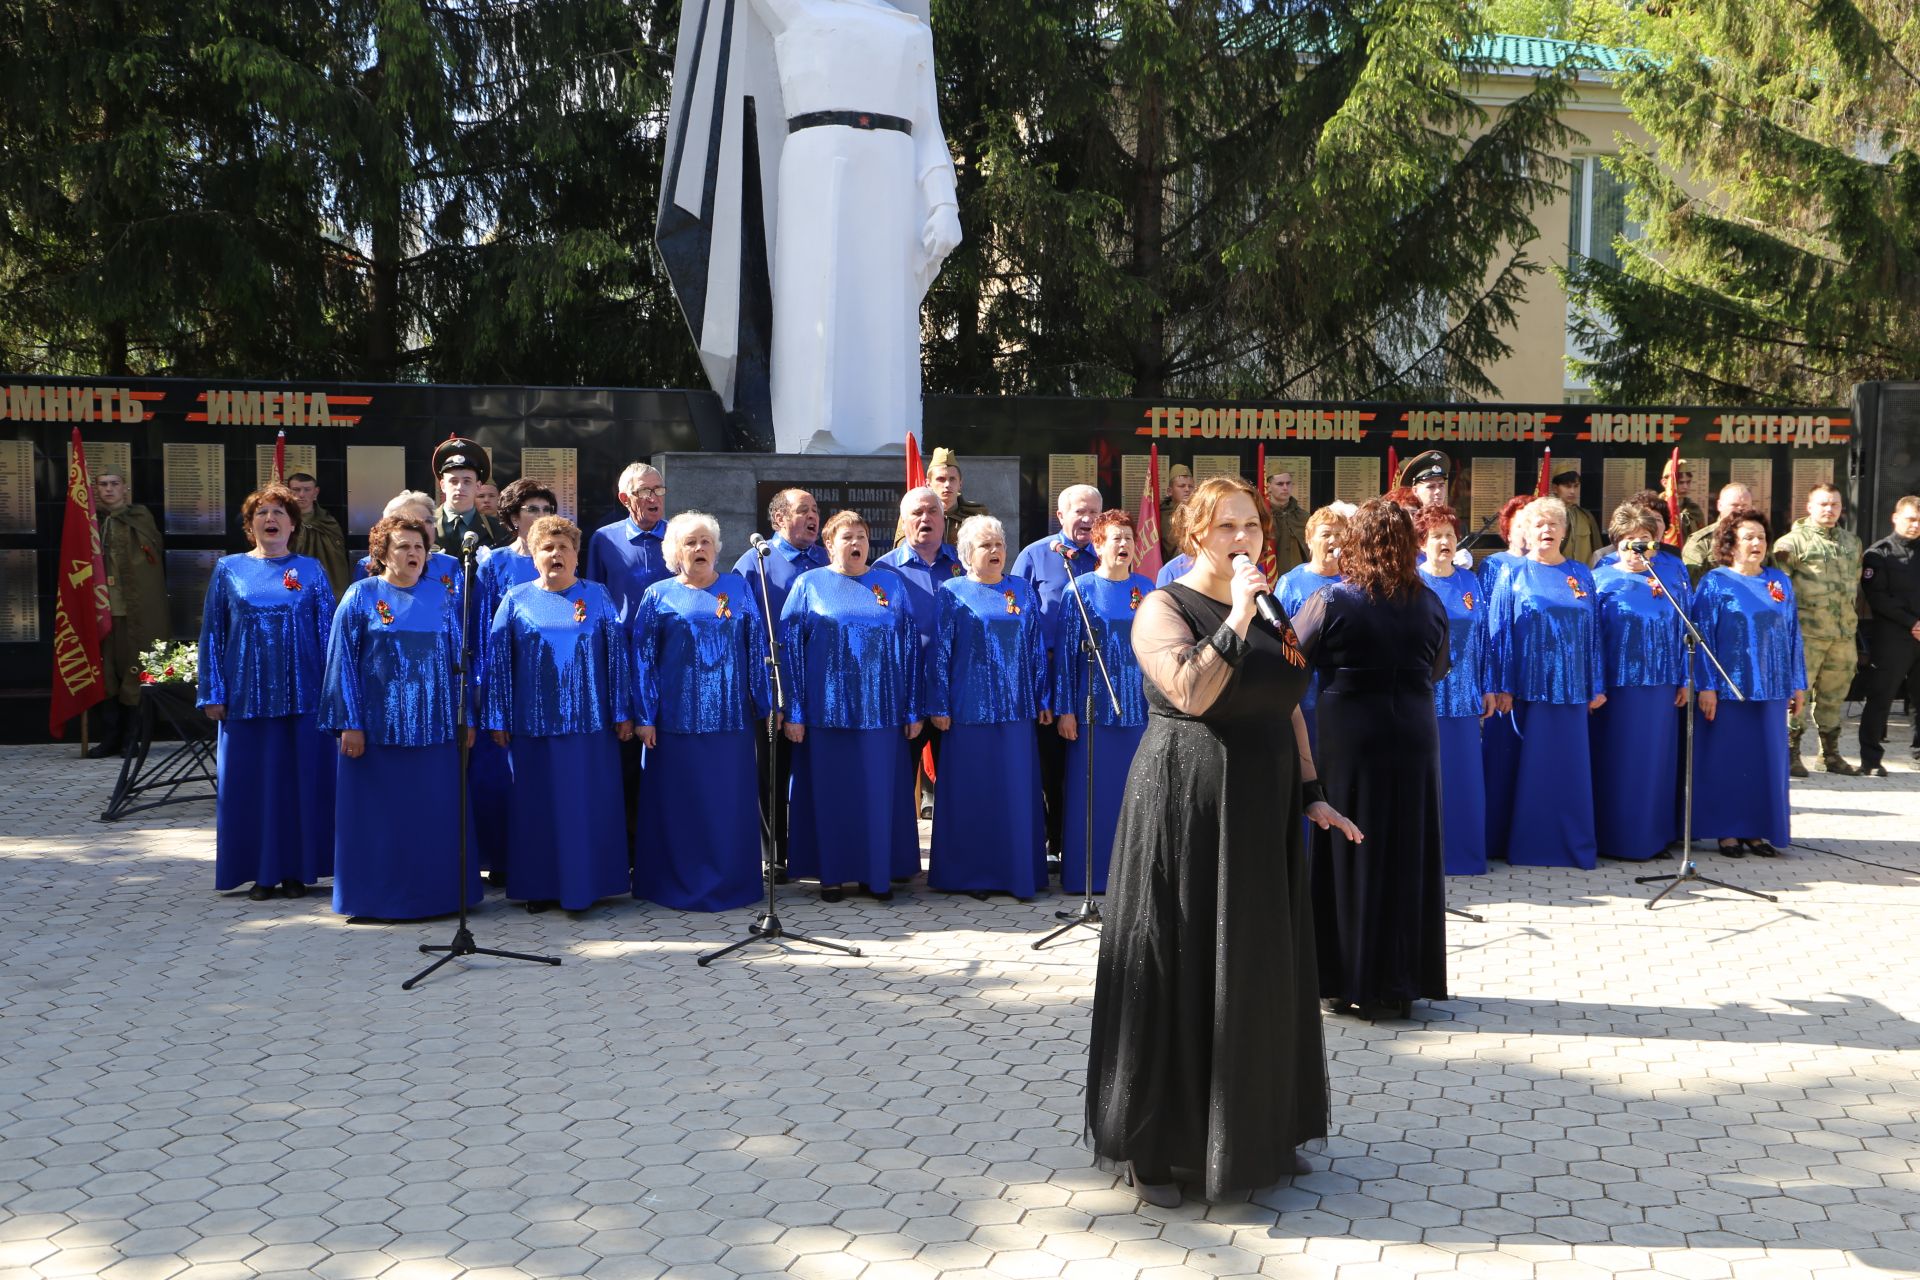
(1269, 607)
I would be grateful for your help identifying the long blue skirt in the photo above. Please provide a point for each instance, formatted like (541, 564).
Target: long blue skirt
(852, 813)
(1463, 797)
(989, 833)
(273, 821)
(1635, 745)
(698, 844)
(490, 784)
(1113, 750)
(1552, 789)
(1499, 760)
(396, 842)
(1740, 773)
(567, 829)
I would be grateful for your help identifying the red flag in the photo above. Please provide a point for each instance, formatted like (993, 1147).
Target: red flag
(916, 474)
(280, 457)
(1545, 486)
(1393, 467)
(1147, 523)
(1673, 537)
(82, 611)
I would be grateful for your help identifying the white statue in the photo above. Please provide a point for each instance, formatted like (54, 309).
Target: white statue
(807, 204)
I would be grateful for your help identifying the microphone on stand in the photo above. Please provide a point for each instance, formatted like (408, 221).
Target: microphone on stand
(1268, 607)
(469, 542)
(759, 545)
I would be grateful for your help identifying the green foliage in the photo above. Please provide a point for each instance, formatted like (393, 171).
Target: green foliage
(1780, 195)
(1616, 24)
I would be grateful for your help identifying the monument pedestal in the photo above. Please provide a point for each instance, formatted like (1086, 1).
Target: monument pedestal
(734, 488)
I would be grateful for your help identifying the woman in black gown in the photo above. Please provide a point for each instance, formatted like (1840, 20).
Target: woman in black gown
(1378, 639)
(1206, 1057)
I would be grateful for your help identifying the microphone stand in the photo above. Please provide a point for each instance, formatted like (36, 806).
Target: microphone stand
(463, 944)
(1689, 872)
(768, 927)
(1087, 914)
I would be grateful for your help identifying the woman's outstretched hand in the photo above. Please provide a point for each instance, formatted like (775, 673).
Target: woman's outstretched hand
(1325, 816)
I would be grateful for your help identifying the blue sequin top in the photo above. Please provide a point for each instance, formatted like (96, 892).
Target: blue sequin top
(850, 651)
(1460, 691)
(263, 637)
(923, 582)
(1667, 566)
(1495, 567)
(1543, 634)
(441, 568)
(390, 664)
(699, 657)
(557, 662)
(1643, 640)
(1753, 625)
(1111, 605)
(500, 570)
(988, 662)
(1296, 586)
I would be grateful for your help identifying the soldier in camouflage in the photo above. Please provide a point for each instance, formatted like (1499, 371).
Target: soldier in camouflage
(1824, 562)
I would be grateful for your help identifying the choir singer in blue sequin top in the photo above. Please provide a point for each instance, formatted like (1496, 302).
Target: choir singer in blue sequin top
(558, 696)
(986, 687)
(851, 658)
(389, 695)
(699, 687)
(1113, 593)
(263, 646)
(1461, 700)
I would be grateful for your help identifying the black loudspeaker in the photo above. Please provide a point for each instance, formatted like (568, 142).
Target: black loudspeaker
(1887, 416)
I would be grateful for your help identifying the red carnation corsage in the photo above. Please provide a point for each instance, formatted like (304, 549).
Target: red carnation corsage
(1655, 584)
(1468, 599)
(290, 579)
(721, 610)
(579, 610)
(1573, 585)
(958, 571)
(1013, 601)
(383, 612)
(1774, 590)
(1133, 598)
(879, 595)
(446, 580)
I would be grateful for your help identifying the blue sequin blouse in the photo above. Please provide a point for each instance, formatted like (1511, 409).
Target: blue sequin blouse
(850, 651)
(1753, 626)
(390, 664)
(1112, 606)
(699, 657)
(988, 660)
(1667, 566)
(1296, 586)
(557, 662)
(501, 569)
(1460, 691)
(1643, 640)
(263, 636)
(1543, 634)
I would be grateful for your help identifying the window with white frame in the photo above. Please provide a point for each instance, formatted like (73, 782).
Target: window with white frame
(1597, 219)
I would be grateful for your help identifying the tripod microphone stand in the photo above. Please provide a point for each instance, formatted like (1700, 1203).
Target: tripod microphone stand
(463, 944)
(1087, 914)
(1689, 872)
(768, 928)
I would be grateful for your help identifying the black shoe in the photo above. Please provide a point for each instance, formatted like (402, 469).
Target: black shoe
(106, 747)
(537, 905)
(833, 894)
(259, 893)
(292, 889)
(1731, 849)
(1764, 848)
(885, 895)
(368, 920)
(1873, 771)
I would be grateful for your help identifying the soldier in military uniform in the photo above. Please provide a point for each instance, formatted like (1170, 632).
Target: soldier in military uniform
(944, 478)
(1823, 560)
(1429, 475)
(1289, 524)
(1584, 539)
(1172, 511)
(1890, 575)
(319, 534)
(462, 467)
(1697, 554)
(136, 565)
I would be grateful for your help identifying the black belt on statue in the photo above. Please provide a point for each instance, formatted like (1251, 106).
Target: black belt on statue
(851, 119)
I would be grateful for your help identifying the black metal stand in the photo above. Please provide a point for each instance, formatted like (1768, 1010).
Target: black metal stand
(1465, 915)
(463, 943)
(1689, 872)
(1087, 914)
(191, 764)
(768, 927)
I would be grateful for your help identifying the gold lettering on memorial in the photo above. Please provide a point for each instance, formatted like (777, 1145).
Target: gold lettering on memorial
(71, 404)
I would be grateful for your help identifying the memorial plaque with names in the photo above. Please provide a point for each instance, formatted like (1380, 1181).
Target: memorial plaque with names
(1808, 472)
(1067, 469)
(19, 596)
(1620, 479)
(195, 488)
(878, 505)
(1301, 469)
(559, 470)
(1215, 464)
(16, 486)
(188, 573)
(375, 473)
(1356, 480)
(1492, 486)
(1133, 481)
(1757, 475)
(300, 458)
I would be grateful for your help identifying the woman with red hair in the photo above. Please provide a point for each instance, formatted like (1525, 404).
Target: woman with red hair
(1461, 700)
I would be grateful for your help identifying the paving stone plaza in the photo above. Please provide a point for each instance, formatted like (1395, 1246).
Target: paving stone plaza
(196, 1086)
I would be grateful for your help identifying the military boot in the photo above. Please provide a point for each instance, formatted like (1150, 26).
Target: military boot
(1831, 757)
(113, 730)
(1796, 767)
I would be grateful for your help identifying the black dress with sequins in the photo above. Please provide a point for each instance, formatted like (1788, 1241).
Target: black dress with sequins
(1206, 1057)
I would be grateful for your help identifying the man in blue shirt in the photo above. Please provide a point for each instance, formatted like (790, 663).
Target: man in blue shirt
(627, 556)
(1047, 564)
(794, 517)
(924, 561)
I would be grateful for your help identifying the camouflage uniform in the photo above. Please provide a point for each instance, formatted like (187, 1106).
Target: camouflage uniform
(1697, 554)
(1824, 565)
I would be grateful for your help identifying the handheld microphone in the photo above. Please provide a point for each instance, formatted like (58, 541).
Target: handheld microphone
(469, 542)
(759, 545)
(1268, 607)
